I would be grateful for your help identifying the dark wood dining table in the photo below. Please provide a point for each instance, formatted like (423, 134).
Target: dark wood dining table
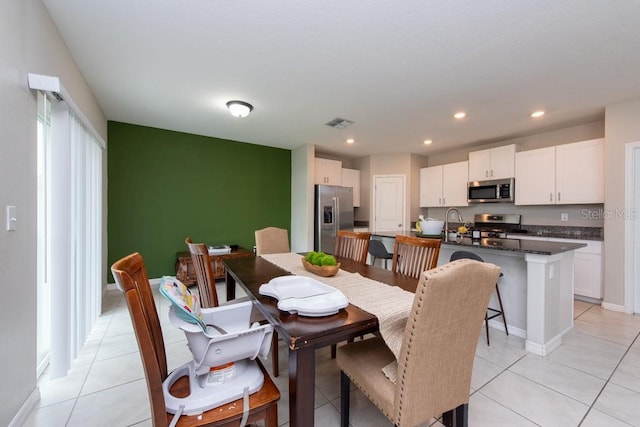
(304, 335)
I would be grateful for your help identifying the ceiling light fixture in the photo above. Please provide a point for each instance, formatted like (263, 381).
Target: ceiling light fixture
(350, 141)
(427, 142)
(239, 108)
(460, 115)
(537, 114)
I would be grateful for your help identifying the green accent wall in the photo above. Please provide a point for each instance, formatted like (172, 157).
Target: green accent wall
(164, 186)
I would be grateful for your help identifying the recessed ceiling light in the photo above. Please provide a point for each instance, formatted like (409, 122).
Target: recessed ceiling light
(460, 115)
(537, 114)
(350, 141)
(427, 142)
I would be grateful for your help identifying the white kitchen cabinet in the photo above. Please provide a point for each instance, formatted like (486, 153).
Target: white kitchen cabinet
(444, 185)
(328, 172)
(580, 172)
(535, 177)
(351, 178)
(563, 174)
(587, 265)
(493, 163)
(431, 186)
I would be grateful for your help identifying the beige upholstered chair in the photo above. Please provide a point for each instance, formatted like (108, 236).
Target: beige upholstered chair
(204, 273)
(352, 245)
(494, 312)
(272, 240)
(436, 356)
(413, 255)
(131, 278)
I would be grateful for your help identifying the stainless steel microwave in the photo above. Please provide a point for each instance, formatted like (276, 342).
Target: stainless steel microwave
(493, 191)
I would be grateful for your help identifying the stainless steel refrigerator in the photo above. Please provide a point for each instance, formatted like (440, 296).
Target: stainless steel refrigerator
(333, 212)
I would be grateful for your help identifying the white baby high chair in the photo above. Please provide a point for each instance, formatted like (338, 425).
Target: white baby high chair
(224, 345)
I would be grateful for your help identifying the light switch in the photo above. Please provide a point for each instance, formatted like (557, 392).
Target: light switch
(11, 218)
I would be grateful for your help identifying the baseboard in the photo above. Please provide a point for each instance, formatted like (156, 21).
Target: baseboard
(544, 349)
(613, 307)
(596, 301)
(23, 413)
(497, 324)
(152, 282)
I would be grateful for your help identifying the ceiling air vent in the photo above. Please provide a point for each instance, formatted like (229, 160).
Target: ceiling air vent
(339, 123)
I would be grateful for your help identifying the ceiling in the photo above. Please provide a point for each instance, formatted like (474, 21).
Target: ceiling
(398, 69)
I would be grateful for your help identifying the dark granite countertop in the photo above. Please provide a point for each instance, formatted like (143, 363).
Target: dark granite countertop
(516, 245)
(554, 231)
(512, 245)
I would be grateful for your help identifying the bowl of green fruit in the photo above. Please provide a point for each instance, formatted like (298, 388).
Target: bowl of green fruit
(322, 264)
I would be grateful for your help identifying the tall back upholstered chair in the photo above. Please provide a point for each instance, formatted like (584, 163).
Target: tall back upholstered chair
(131, 278)
(272, 240)
(204, 273)
(494, 312)
(352, 245)
(413, 255)
(433, 369)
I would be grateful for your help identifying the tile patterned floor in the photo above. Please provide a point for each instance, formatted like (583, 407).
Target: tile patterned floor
(593, 379)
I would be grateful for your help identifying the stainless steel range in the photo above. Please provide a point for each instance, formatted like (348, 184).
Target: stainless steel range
(496, 226)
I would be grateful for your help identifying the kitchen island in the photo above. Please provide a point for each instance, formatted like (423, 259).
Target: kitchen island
(536, 289)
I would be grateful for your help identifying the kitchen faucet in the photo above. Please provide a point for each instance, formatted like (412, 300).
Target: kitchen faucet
(446, 222)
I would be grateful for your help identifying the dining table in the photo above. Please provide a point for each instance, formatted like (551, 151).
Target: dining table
(302, 334)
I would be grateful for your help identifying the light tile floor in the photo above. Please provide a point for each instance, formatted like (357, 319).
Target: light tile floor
(593, 379)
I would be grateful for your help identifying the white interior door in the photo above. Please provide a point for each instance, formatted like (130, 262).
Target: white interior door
(636, 230)
(389, 202)
(632, 229)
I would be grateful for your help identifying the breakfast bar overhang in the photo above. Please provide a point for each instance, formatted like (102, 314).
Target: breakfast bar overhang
(536, 289)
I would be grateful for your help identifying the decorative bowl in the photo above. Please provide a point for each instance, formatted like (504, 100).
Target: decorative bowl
(321, 270)
(431, 227)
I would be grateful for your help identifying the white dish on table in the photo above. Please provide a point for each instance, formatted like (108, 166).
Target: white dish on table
(305, 296)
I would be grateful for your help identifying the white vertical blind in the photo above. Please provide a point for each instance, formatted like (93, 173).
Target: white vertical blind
(43, 227)
(75, 235)
(86, 219)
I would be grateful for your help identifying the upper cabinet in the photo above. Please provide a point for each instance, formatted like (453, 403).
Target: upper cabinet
(351, 178)
(444, 185)
(564, 174)
(580, 172)
(328, 172)
(535, 177)
(493, 163)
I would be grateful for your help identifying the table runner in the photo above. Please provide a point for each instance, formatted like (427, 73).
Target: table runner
(390, 304)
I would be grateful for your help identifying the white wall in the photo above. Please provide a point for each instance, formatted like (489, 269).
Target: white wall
(565, 135)
(29, 42)
(364, 165)
(302, 195)
(622, 125)
(399, 164)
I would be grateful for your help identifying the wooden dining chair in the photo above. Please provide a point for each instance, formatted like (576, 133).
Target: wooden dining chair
(131, 278)
(272, 240)
(413, 255)
(432, 375)
(353, 245)
(208, 294)
(204, 273)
